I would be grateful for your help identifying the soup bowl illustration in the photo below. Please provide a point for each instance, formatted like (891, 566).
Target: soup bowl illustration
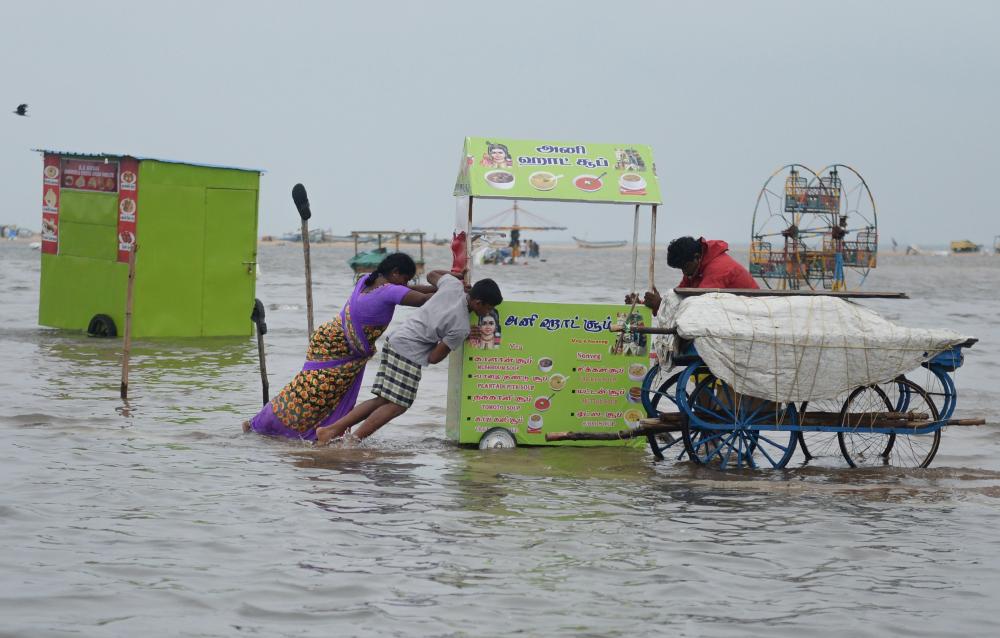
(504, 180)
(632, 417)
(636, 371)
(632, 182)
(535, 423)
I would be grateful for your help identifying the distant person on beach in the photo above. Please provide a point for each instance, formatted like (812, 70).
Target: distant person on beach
(327, 386)
(705, 264)
(426, 337)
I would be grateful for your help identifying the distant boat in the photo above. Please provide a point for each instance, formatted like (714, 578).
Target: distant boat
(965, 246)
(583, 243)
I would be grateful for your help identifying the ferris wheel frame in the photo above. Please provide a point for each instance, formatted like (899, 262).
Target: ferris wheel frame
(818, 256)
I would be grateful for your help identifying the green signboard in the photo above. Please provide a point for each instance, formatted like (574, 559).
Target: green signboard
(560, 171)
(547, 367)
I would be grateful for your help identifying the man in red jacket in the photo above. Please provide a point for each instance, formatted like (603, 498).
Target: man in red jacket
(705, 264)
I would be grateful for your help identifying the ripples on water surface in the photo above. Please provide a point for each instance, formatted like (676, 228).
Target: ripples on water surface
(160, 518)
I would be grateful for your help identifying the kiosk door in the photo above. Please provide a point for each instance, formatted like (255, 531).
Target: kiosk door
(230, 261)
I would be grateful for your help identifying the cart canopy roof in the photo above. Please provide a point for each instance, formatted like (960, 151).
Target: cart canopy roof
(499, 168)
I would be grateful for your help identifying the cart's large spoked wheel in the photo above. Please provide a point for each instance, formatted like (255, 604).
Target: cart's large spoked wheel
(820, 448)
(940, 388)
(657, 401)
(863, 448)
(735, 443)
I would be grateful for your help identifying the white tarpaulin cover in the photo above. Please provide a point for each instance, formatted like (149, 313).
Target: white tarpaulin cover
(796, 348)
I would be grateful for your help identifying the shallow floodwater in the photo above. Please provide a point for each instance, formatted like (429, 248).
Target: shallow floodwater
(159, 517)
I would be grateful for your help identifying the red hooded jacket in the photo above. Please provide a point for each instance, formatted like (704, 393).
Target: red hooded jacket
(717, 269)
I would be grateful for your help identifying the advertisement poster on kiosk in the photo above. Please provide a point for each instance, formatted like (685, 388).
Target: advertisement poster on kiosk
(552, 367)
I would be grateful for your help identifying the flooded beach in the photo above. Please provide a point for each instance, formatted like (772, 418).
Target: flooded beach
(159, 516)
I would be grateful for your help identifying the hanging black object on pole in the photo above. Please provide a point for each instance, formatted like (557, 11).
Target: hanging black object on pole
(257, 317)
(302, 204)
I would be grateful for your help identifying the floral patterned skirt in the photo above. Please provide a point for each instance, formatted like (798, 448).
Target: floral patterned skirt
(313, 394)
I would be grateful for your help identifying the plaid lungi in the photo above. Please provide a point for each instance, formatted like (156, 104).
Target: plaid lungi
(397, 378)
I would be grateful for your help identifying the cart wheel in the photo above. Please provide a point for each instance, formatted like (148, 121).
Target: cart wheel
(820, 447)
(497, 438)
(102, 326)
(875, 449)
(651, 402)
(712, 401)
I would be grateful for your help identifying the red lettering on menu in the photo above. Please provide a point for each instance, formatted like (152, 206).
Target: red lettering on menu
(588, 356)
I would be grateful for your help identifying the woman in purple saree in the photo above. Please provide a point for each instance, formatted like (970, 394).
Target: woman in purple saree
(327, 386)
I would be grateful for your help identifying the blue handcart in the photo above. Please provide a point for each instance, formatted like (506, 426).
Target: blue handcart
(695, 414)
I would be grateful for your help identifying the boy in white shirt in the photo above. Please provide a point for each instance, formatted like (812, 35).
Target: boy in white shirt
(426, 337)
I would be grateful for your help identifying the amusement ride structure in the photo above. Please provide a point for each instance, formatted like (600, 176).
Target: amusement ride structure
(819, 232)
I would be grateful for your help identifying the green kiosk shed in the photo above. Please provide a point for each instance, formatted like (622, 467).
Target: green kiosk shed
(195, 229)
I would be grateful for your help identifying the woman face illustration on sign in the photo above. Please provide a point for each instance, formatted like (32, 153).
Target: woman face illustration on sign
(496, 156)
(489, 332)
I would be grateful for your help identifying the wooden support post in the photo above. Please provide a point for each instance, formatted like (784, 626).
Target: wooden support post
(635, 250)
(652, 250)
(309, 291)
(257, 317)
(468, 245)
(127, 341)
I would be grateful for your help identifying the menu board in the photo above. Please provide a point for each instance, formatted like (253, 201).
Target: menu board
(90, 175)
(553, 368)
(50, 204)
(128, 207)
(562, 171)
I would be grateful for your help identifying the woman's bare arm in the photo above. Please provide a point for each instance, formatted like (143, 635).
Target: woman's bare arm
(415, 298)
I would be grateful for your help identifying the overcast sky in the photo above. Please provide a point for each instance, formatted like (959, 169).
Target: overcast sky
(367, 103)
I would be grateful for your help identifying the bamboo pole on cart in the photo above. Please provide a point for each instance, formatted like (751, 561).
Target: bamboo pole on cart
(635, 250)
(127, 345)
(468, 245)
(652, 250)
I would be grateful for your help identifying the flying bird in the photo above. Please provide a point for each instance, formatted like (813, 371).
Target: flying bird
(22, 109)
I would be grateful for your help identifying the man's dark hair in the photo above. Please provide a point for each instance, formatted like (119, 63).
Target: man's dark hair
(682, 250)
(396, 261)
(487, 291)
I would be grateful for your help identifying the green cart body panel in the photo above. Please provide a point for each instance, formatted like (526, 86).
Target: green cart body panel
(195, 272)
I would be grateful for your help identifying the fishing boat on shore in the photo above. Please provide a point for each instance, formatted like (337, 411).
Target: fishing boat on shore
(583, 243)
(964, 246)
(367, 261)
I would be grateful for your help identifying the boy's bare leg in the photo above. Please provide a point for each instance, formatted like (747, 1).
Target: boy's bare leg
(358, 414)
(382, 415)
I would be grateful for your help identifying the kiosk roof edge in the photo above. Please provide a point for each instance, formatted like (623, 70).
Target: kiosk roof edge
(147, 158)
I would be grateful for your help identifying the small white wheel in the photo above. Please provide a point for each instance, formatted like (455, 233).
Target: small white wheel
(497, 438)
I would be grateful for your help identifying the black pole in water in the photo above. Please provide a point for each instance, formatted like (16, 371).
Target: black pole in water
(302, 204)
(257, 317)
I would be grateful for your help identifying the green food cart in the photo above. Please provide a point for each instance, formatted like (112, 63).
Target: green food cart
(193, 230)
(549, 367)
